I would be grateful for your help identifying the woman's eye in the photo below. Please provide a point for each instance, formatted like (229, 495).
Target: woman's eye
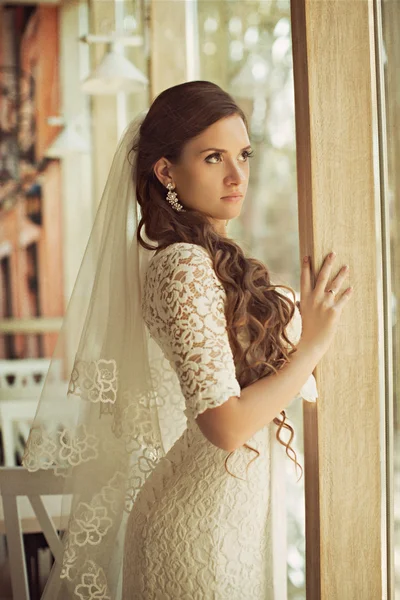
(212, 156)
(216, 157)
(247, 154)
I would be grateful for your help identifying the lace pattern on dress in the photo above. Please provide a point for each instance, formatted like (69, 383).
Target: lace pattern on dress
(184, 309)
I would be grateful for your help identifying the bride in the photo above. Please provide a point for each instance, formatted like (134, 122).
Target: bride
(182, 357)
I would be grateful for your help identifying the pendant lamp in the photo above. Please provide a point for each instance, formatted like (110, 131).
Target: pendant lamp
(115, 74)
(68, 142)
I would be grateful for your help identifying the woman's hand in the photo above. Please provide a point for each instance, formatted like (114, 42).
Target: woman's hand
(320, 309)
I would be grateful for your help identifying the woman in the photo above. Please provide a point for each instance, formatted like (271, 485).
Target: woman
(203, 534)
(177, 399)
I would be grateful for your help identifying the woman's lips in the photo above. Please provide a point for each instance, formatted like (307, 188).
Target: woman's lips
(233, 198)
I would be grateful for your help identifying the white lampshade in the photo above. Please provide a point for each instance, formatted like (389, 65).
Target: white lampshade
(68, 142)
(115, 74)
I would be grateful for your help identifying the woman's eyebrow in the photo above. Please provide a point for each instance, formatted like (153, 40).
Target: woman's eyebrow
(220, 150)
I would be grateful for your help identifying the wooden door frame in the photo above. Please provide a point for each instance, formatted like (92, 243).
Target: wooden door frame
(338, 193)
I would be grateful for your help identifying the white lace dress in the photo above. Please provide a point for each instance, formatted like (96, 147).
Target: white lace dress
(196, 532)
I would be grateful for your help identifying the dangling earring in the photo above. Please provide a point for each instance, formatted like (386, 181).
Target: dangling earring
(172, 198)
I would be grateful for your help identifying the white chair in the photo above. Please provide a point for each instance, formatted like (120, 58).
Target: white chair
(31, 502)
(21, 382)
(15, 418)
(26, 373)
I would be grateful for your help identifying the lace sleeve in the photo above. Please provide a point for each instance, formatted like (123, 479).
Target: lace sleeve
(187, 319)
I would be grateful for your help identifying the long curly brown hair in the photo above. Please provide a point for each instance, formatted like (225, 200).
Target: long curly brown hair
(253, 305)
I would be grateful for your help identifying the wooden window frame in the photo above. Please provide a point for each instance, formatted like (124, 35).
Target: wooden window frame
(339, 190)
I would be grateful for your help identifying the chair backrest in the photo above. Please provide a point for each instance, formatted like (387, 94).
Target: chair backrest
(21, 383)
(16, 415)
(16, 483)
(26, 375)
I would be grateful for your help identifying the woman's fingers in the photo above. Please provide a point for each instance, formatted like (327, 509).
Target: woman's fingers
(323, 279)
(324, 274)
(337, 283)
(343, 298)
(320, 310)
(305, 278)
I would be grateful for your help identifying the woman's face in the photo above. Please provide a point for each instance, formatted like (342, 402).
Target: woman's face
(213, 172)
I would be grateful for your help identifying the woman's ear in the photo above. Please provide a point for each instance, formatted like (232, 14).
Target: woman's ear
(162, 171)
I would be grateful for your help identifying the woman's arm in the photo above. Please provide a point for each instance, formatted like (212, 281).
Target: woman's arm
(230, 425)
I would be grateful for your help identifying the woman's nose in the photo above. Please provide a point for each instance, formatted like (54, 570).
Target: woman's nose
(236, 173)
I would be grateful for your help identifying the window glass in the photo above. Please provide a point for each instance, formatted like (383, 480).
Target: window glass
(245, 47)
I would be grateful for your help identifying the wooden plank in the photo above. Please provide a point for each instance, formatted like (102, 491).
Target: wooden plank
(47, 84)
(306, 232)
(388, 50)
(50, 251)
(74, 186)
(335, 124)
(17, 482)
(47, 526)
(28, 2)
(16, 555)
(32, 325)
(28, 519)
(168, 64)
(104, 107)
